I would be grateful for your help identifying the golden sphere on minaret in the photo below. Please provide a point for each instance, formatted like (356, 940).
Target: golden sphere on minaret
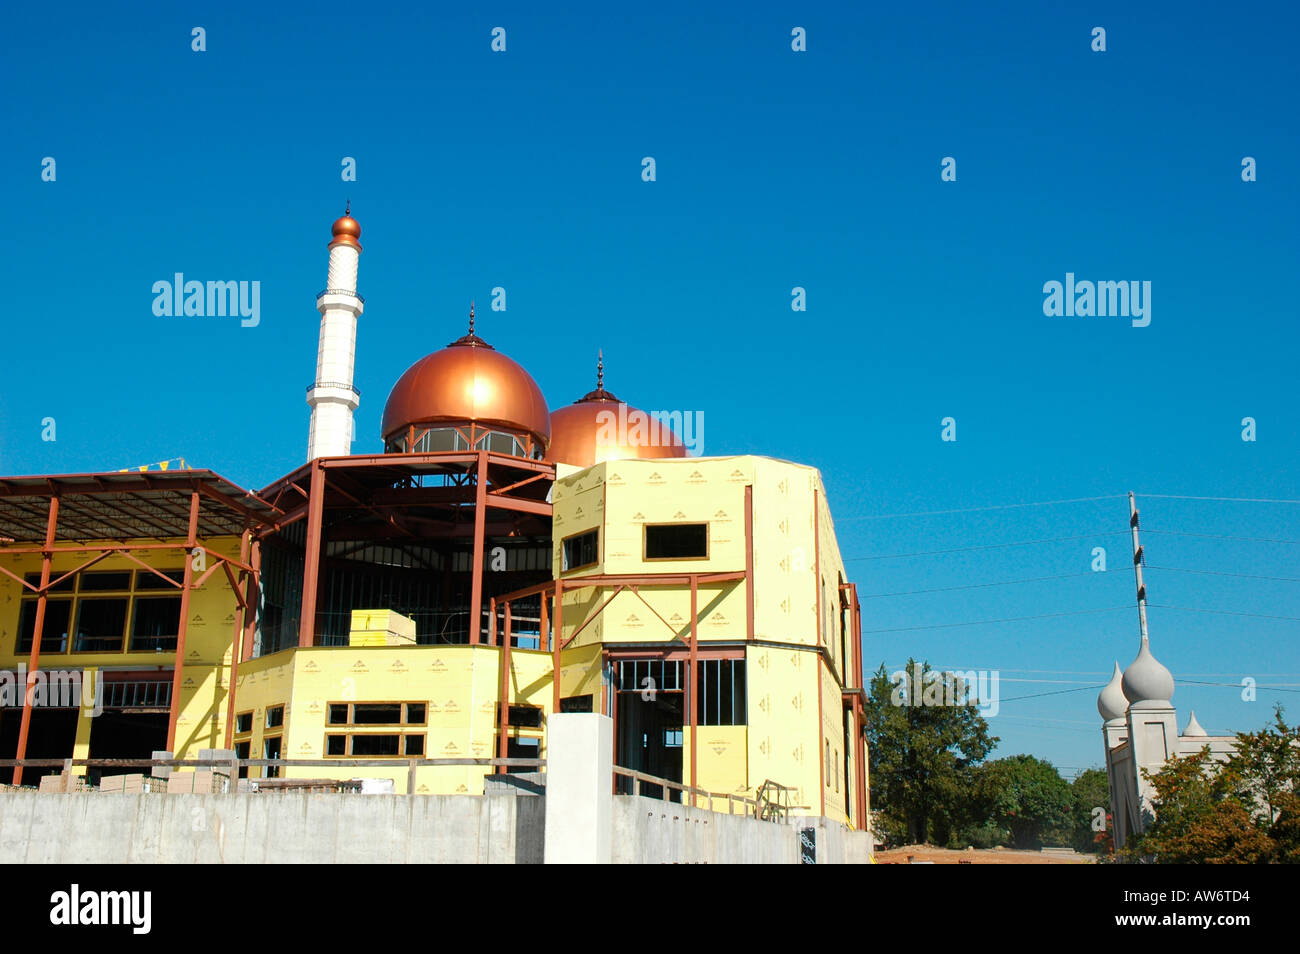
(347, 230)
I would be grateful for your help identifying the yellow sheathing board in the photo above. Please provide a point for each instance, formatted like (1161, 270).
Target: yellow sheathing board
(783, 739)
(723, 764)
(785, 587)
(833, 733)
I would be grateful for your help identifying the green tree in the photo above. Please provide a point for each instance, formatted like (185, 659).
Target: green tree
(923, 750)
(1090, 790)
(1027, 796)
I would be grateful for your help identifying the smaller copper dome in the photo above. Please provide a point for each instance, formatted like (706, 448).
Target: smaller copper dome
(599, 427)
(347, 229)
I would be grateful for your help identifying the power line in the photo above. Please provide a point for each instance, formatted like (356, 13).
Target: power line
(939, 513)
(1237, 685)
(1192, 609)
(1056, 692)
(1223, 499)
(981, 622)
(992, 546)
(1216, 536)
(1240, 576)
(975, 586)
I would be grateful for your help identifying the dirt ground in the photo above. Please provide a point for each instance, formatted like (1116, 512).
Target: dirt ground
(912, 854)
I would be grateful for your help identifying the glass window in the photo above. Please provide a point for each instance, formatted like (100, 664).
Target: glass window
(336, 745)
(414, 745)
(274, 717)
(676, 541)
(271, 750)
(580, 550)
(101, 624)
(54, 636)
(156, 621)
(144, 580)
(415, 713)
(338, 714)
(244, 723)
(98, 582)
(377, 713)
(65, 587)
(364, 746)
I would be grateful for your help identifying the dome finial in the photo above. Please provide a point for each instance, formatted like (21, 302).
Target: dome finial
(471, 317)
(600, 369)
(347, 207)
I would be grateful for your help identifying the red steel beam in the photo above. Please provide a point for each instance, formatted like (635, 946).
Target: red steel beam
(557, 633)
(476, 570)
(251, 598)
(311, 571)
(38, 632)
(191, 541)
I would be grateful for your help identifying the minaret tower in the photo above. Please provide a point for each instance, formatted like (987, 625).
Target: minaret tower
(332, 397)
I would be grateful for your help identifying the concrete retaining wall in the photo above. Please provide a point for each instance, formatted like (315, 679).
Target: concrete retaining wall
(82, 828)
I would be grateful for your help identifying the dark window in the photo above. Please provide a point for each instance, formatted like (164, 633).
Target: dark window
(581, 550)
(336, 745)
(368, 745)
(271, 750)
(274, 717)
(144, 580)
(576, 704)
(338, 715)
(528, 717)
(54, 636)
(244, 723)
(414, 745)
(415, 713)
(241, 752)
(101, 624)
(720, 693)
(156, 622)
(377, 713)
(676, 541)
(65, 587)
(105, 581)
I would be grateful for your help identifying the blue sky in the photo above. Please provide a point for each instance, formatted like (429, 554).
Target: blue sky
(774, 169)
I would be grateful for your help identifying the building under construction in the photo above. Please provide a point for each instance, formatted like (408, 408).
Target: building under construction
(498, 563)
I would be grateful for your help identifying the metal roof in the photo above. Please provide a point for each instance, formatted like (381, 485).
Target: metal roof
(121, 506)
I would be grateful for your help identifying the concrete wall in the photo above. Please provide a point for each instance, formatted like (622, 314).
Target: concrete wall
(88, 828)
(650, 831)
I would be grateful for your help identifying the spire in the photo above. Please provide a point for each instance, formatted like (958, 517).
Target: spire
(471, 340)
(600, 369)
(1194, 730)
(347, 208)
(471, 318)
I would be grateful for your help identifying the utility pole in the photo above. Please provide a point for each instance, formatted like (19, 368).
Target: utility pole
(1137, 564)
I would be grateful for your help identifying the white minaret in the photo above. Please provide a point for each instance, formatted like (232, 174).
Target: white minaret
(332, 397)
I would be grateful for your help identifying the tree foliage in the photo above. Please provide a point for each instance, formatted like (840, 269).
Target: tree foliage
(1025, 795)
(923, 754)
(1241, 811)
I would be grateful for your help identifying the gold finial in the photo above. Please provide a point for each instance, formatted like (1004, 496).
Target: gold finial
(600, 369)
(471, 317)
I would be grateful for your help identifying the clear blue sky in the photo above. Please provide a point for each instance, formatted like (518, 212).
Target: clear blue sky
(775, 169)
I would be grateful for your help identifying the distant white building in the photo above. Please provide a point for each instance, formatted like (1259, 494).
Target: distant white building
(1140, 727)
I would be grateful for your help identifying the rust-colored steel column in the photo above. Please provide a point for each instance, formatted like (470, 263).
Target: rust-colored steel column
(38, 632)
(476, 569)
(191, 541)
(749, 562)
(236, 649)
(311, 557)
(692, 676)
(543, 633)
(251, 598)
(557, 636)
(503, 726)
(861, 745)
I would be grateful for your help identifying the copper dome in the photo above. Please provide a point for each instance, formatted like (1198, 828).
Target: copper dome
(468, 381)
(577, 438)
(346, 230)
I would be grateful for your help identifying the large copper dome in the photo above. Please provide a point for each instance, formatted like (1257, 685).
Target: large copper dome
(468, 381)
(581, 436)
